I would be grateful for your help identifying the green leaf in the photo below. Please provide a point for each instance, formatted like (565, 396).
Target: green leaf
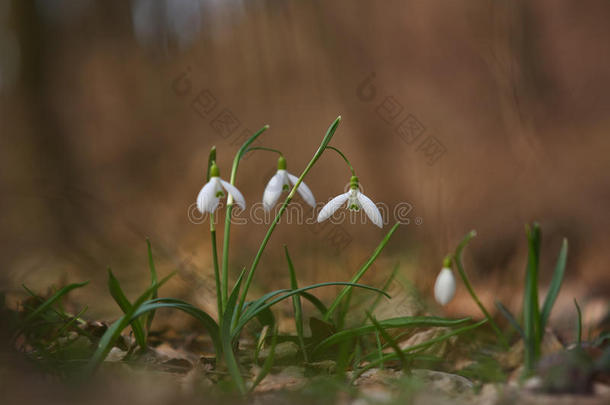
(393, 344)
(260, 305)
(206, 320)
(360, 272)
(49, 302)
(578, 324)
(329, 134)
(511, 319)
(227, 337)
(315, 301)
(226, 237)
(415, 348)
(113, 332)
(268, 363)
(558, 276)
(531, 314)
(400, 322)
(153, 281)
(296, 305)
(120, 298)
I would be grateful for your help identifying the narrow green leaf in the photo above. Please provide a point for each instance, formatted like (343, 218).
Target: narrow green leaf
(268, 363)
(511, 319)
(206, 320)
(296, 305)
(117, 293)
(226, 238)
(315, 301)
(251, 313)
(578, 324)
(48, 303)
(227, 337)
(360, 272)
(113, 332)
(531, 314)
(153, 281)
(329, 134)
(556, 282)
(393, 344)
(417, 347)
(400, 322)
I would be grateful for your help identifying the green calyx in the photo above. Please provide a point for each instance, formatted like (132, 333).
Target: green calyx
(214, 172)
(447, 262)
(281, 163)
(353, 183)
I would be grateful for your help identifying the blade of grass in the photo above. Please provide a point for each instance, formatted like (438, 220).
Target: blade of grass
(423, 345)
(48, 303)
(379, 349)
(556, 282)
(329, 134)
(296, 305)
(393, 344)
(261, 342)
(385, 287)
(400, 322)
(511, 319)
(360, 272)
(466, 280)
(227, 338)
(119, 297)
(153, 281)
(113, 332)
(257, 307)
(268, 363)
(226, 237)
(531, 315)
(578, 324)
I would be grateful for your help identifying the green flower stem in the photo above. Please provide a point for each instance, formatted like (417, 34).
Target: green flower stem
(344, 158)
(360, 272)
(329, 134)
(458, 263)
(226, 237)
(219, 302)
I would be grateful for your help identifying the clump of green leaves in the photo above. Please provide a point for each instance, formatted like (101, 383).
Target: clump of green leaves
(535, 318)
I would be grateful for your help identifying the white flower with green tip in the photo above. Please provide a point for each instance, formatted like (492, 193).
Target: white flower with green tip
(284, 181)
(355, 200)
(209, 196)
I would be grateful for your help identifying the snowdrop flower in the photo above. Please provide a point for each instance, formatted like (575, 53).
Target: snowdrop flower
(355, 200)
(444, 287)
(209, 196)
(283, 181)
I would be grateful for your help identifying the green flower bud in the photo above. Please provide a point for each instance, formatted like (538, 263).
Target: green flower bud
(353, 183)
(281, 163)
(214, 172)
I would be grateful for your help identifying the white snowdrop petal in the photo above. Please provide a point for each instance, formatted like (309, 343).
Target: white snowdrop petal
(444, 287)
(332, 206)
(237, 196)
(303, 190)
(207, 200)
(272, 191)
(370, 209)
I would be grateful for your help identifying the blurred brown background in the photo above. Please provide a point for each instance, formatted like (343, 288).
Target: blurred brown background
(476, 114)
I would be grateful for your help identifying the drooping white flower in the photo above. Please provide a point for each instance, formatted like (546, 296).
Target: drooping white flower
(209, 196)
(283, 181)
(444, 287)
(355, 200)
